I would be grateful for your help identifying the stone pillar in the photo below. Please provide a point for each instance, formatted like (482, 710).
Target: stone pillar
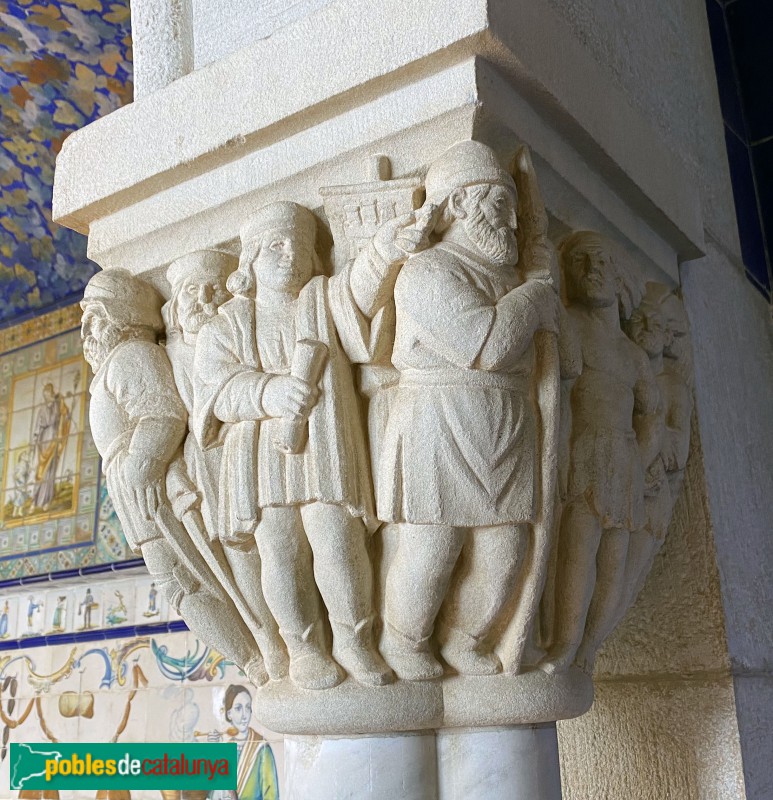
(454, 396)
(162, 43)
(362, 767)
(515, 763)
(525, 765)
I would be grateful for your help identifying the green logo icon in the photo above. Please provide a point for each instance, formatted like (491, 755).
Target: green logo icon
(125, 766)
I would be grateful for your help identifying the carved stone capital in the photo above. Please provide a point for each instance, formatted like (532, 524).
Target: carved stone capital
(413, 485)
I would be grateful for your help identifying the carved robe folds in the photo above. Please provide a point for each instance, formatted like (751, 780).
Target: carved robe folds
(333, 468)
(460, 440)
(139, 414)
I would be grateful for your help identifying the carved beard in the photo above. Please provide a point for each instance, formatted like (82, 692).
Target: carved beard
(194, 319)
(96, 350)
(498, 245)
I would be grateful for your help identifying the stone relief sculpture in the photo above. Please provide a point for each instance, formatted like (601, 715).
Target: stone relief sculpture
(138, 422)
(608, 456)
(458, 463)
(656, 326)
(278, 353)
(198, 283)
(511, 417)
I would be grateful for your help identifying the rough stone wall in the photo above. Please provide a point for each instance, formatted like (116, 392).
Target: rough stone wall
(693, 658)
(663, 724)
(659, 54)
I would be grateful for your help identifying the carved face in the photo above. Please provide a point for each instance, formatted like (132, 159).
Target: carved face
(240, 712)
(591, 278)
(284, 262)
(99, 335)
(198, 301)
(488, 214)
(647, 328)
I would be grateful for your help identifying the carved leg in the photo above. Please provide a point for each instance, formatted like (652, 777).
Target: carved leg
(483, 583)
(212, 618)
(579, 543)
(609, 597)
(288, 586)
(244, 561)
(416, 587)
(344, 577)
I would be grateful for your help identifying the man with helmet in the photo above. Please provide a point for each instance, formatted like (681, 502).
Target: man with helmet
(457, 472)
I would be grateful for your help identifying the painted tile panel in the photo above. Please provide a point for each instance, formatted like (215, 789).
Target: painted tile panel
(125, 690)
(54, 511)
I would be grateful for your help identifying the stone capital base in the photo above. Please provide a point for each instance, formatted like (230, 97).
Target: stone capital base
(458, 702)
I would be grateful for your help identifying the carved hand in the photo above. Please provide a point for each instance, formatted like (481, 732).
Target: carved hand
(402, 236)
(145, 476)
(287, 396)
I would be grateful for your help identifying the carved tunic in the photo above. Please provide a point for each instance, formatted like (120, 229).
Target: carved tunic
(237, 353)
(460, 440)
(124, 398)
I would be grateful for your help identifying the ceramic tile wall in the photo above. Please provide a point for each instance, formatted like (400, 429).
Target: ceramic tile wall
(63, 63)
(62, 611)
(163, 687)
(740, 40)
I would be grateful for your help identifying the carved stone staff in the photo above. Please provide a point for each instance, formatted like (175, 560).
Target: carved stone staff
(536, 257)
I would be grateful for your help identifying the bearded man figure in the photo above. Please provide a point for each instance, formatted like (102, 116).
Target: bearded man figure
(138, 422)
(457, 471)
(198, 282)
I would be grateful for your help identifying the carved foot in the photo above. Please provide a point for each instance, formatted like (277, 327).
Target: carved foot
(585, 659)
(559, 660)
(353, 649)
(274, 655)
(314, 671)
(415, 666)
(364, 666)
(460, 652)
(410, 659)
(255, 670)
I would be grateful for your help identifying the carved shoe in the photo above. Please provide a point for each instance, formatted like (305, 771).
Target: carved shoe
(461, 652)
(255, 670)
(353, 649)
(559, 659)
(411, 660)
(310, 666)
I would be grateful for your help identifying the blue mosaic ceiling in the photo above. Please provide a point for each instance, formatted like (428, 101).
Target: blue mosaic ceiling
(62, 65)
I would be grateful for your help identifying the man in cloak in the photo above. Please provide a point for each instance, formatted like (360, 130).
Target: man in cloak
(138, 422)
(52, 425)
(273, 385)
(198, 282)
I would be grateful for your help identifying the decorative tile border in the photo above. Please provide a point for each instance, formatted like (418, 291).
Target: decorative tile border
(89, 605)
(38, 328)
